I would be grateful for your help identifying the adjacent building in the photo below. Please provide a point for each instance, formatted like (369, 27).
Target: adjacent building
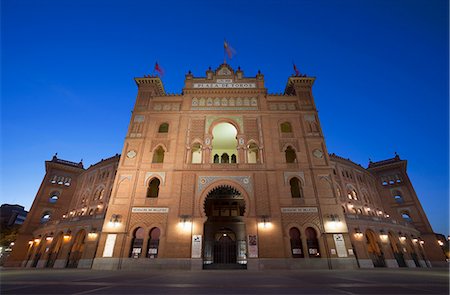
(226, 175)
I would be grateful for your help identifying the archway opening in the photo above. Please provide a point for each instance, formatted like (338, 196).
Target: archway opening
(374, 249)
(224, 143)
(225, 236)
(76, 251)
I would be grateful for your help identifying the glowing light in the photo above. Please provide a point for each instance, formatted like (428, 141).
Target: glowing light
(92, 235)
(37, 241)
(440, 243)
(49, 239)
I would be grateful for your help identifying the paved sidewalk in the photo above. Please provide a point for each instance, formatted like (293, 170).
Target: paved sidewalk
(361, 281)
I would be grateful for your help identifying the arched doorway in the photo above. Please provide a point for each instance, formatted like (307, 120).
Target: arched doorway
(374, 249)
(396, 249)
(76, 251)
(54, 250)
(225, 244)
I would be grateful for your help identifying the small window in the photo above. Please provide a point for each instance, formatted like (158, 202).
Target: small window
(158, 155)
(296, 188)
(153, 188)
(53, 197)
(286, 127)
(406, 216)
(225, 158)
(216, 158)
(296, 243)
(290, 155)
(163, 128)
(233, 159)
(45, 217)
(398, 199)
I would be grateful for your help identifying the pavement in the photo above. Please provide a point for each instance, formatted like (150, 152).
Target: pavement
(358, 281)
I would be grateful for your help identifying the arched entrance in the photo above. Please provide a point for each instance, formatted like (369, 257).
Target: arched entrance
(76, 251)
(224, 230)
(396, 249)
(374, 249)
(54, 250)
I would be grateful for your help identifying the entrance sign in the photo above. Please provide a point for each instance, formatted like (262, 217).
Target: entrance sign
(252, 246)
(109, 245)
(340, 245)
(149, 210)
(299, 210)
(224, 85)
(196, 246)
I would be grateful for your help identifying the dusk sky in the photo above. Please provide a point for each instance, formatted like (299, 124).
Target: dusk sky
(382, 70)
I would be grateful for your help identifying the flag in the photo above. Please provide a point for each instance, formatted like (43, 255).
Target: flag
(297, 72)
(228, 49)
(158, 69)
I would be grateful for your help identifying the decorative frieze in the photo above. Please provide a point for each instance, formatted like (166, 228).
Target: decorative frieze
(224, 103)
(286, 106)
(244, 181)
(167, 107)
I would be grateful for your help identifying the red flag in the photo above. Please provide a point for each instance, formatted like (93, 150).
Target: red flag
(297, 72)
(159, 70)
(228, 49)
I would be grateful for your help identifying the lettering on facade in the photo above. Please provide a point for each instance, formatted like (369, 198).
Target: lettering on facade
(299, 210)
(224, 85)
(149, 210)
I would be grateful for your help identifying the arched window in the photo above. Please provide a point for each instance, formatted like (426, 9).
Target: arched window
(406, 216)
(352, 194)
(233, 159)
(312, 242)
(153, 188)
(158, 155)
(216, 158)
(253, 154)
(196, 156)
(46, 216)
(398, 197)
(225, 158)
(296, 188)
(286, 127)
(54, 196)
(163, 128)
(153, 243)
(290, 155)
(99, 194)
(296, 243)
(136, 243)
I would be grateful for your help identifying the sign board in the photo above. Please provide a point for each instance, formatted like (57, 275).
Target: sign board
(224, 85)
(196, 246)
(299, 210)
(252, 246)
(149, 210)
(109, 245)
(340, 245)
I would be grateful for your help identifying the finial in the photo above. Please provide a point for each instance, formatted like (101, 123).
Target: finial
(55, 157)
(209, 68)
(259, 72)
(239, 68)
(189, 72)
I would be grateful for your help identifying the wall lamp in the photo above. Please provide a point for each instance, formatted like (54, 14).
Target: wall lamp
(185, 222)
(383, 236)
(67, 235)
(415, 240)
(92, 235)
(265, 221)
(401, 237)
(358, 234)
(440, 243)
(114, 221)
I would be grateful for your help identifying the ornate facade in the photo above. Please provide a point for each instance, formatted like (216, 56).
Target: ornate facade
(226, 175)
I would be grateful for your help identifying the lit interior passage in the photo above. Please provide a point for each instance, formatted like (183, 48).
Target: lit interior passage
(224, 144)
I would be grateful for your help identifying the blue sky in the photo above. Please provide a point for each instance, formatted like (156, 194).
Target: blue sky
(67, 71)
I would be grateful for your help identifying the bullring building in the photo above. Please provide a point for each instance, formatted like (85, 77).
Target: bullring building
(226, 175)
